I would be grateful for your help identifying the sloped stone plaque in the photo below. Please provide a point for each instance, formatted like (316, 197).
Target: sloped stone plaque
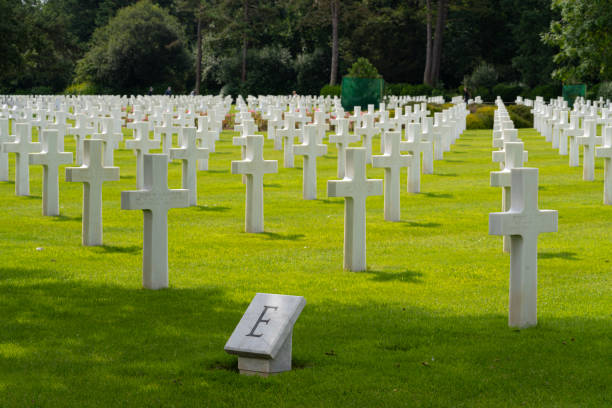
(262, 339)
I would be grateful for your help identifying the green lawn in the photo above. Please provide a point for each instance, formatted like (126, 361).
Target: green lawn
(426, 325)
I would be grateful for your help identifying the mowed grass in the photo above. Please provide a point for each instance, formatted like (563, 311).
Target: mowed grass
(426, 325)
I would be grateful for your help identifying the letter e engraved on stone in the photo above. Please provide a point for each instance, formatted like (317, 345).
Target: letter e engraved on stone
(261, 320)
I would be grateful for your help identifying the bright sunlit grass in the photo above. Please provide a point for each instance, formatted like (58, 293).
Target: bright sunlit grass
(426, 325)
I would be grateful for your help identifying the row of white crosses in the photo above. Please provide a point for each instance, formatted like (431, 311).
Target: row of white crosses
(567, 130)
(521, 222)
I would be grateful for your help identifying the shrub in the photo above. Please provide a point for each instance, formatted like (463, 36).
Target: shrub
(605, 90)
(362, 68)
(483, 76)
(507, 92)
(486, 115)
(521, 112)
(547, 92)
(473, 121)
(331, 90)
(83, 88)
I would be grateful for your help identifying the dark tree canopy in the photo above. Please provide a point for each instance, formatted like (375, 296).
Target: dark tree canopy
(140, 44)
(275, 46)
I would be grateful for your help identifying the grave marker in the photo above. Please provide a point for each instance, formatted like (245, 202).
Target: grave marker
(254, 167)
(155, 199)
(524, 222)
(22, 147)
(310, 149)
(50, 158)
(189, 153)
(355, 187)
(392, 161)
(141, 144)
(605, 152)
(92, 173)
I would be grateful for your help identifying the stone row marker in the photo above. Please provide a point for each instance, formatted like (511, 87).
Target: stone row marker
(523, 223)
(92, 173)
(263, 337)
(355, 187)
(254, 167)
(155, 199)
(605, 152)
(22, 147)
(51, 158)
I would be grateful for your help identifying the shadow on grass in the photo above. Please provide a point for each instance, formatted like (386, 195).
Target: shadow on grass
(438, 195)
(92, 344)
(282, 237)
(127, 177)
(421, 224)
(446, 174)
(328, 201)
(388, 276)
(117, 249)
(454, 161)
(32, 197)
(217, 171)
(275, 185)
(570, 256)
(213, 208)
(63, 218)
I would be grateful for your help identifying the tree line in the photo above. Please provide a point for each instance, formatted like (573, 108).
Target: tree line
(276, 46)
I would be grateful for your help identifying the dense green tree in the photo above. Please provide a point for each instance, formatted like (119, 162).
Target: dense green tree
(584, 38)
(141, 46)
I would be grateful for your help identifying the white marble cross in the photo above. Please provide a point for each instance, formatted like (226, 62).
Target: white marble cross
(524, 222)
(321, 124)
(342, 138)
(392, 161)
(368, 131)
(92, 174)
(140, 144)
(22, 147)
(5, 137)
(274, 125)
(589, 141)
(60, 125)
(111, 140)
(155, 199)
(605, 152)
(513, 157)
(310, 149)
(80, 131)
(415, 146)
(254, 166)
(355, 187)
(167, 130)
(206, 137)
(189, 153)
(50, 158)
(288, 135)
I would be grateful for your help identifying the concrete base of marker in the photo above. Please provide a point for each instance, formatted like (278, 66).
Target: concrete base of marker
(265, 367)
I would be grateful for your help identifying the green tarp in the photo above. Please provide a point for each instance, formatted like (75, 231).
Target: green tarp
(361, 92)
(570, 92)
